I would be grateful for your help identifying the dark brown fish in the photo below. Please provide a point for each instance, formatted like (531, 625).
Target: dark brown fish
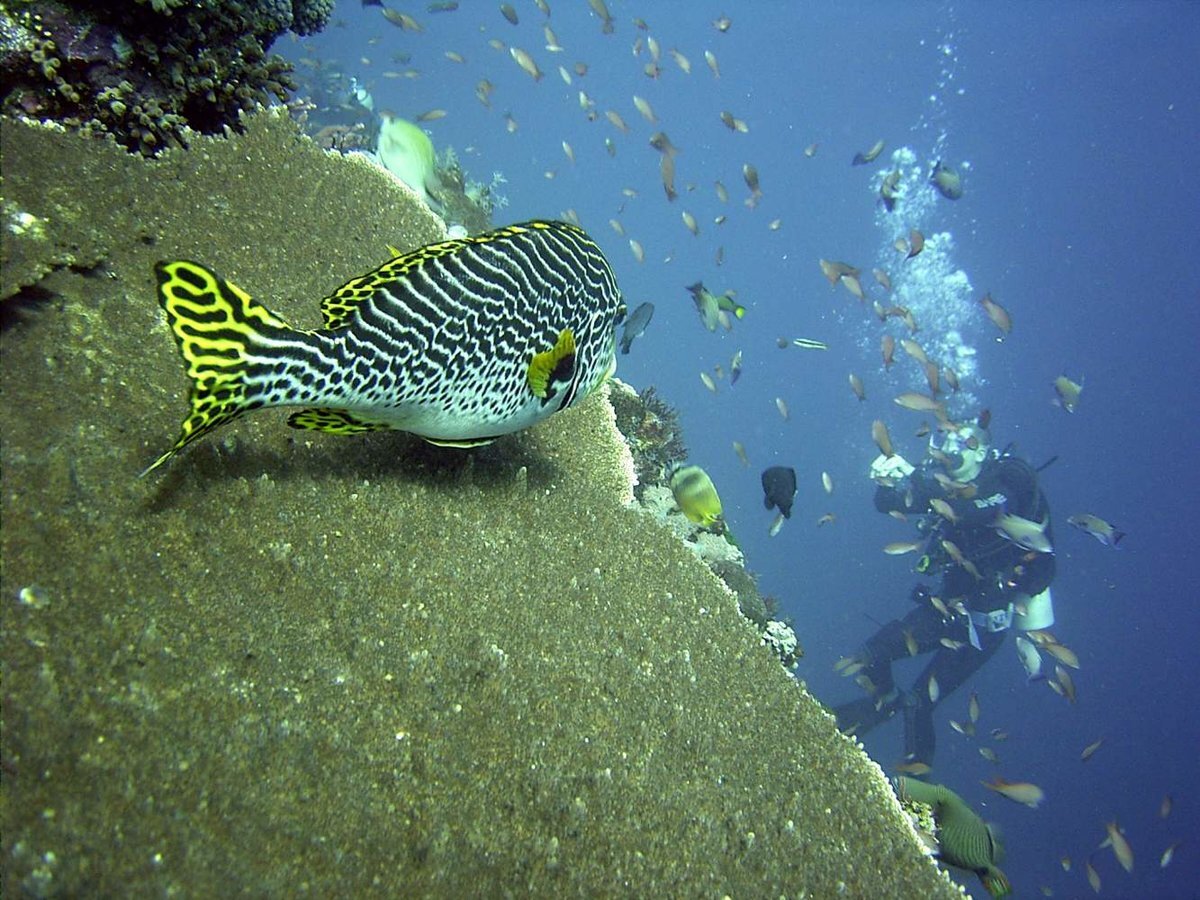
(733, 123)
(666, 166)
(750, 174)
(525, 61)
(889, 190)
(833, 270)
(997, 313)
(916, 243)
(861, 159)
(883, 440)
(887, 347)
(660, 142)
(600, 8)
(401, 20)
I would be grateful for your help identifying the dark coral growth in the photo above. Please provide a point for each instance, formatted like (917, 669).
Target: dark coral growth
(651, 428)
(145, 71)
(464, 201)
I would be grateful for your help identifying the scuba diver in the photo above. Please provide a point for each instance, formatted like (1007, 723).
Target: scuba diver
(987, 536)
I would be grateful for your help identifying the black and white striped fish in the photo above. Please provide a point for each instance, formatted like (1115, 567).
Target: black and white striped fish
(459, 341)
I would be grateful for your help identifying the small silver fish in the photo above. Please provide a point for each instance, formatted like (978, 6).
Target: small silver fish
(1024, 532)
(1031, 659)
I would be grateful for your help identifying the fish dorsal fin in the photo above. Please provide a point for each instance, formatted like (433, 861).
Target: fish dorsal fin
(554, 365)
(334, 421)
(338, 307)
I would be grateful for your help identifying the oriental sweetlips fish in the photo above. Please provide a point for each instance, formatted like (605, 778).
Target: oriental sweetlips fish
(459, 341)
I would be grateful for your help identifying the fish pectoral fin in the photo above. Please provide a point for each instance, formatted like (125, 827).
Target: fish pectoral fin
(334, 421)
(464, 444)
(553, 366)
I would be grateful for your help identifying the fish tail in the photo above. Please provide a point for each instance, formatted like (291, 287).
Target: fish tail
(222, 335)
(995, 882)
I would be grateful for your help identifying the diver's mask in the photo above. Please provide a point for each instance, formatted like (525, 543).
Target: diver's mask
(961, 451)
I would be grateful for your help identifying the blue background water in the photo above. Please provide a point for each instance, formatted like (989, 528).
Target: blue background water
(1080, 126)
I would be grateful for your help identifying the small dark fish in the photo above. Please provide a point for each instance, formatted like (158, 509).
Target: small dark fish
(367, 3)
(750, 175)
(916, 243)
(447, 6)
(600, 8)
(509, 13)
(861, 159)
(947, 181)
(666, 167)
(889, 190)
(660, 142)
(779, 489)
(735, 368)
(401, 20)
(636, 324)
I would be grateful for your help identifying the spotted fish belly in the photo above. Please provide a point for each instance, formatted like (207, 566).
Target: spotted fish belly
(459, 341)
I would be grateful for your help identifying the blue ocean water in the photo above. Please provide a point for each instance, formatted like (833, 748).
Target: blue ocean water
(1075, 128)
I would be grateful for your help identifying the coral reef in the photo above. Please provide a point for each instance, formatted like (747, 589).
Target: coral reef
(298, 663)
(650, 426)
(147, 71)
(464, 201)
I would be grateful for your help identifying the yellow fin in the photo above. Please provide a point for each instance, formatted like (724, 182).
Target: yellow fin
(334, 421)
(557, 363)
(338, 307)
(216, 325)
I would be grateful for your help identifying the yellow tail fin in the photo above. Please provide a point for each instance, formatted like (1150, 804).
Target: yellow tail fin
(214, 322)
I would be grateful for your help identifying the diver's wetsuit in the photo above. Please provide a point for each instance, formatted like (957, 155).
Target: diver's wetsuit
(1004, 484)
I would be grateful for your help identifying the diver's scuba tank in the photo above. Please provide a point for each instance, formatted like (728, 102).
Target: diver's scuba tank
(1038, 614)
(361, 95)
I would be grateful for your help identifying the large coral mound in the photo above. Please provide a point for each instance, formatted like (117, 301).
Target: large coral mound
(359, 666)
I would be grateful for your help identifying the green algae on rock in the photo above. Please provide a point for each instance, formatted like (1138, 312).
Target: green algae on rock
(359, 666)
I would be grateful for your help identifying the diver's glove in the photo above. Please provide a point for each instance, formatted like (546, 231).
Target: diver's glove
(887, 470)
